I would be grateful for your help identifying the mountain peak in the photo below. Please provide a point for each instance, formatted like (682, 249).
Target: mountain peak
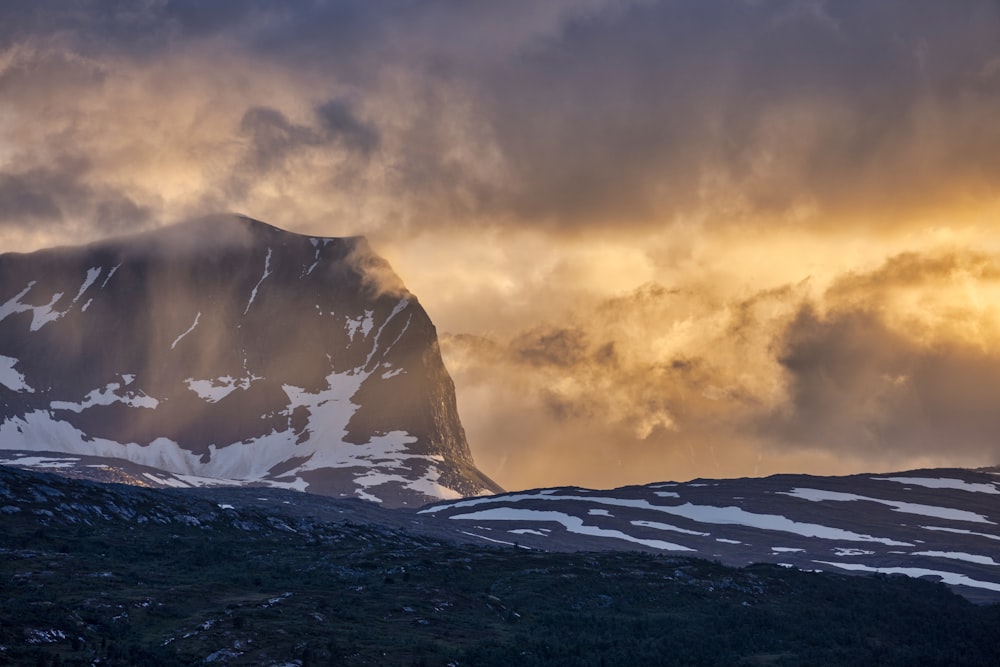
(229, 351)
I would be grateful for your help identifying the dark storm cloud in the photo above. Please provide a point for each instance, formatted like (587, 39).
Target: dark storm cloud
(49, 198)
(870, 375)
(859, 387)
(26, 197)
(273, 137)
(765, 108)
(632, 113)
(340, 124)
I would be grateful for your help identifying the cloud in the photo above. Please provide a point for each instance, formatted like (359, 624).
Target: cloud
(664, 235)
(689, 381)
(857, 386)
(901, 362)
(570, 116)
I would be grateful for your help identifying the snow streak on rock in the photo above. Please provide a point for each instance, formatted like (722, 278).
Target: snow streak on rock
(189, 330)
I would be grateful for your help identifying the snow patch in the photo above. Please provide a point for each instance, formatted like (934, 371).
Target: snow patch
(267, 272)
(570, 523)
(817, 495)
(92, 275)
(108, 396)
(958, 555)
(598, 512)
(403, 303)
(699, 513)
(947, 577)
(110, 273)
(10, 378)
(189, 330)
(944, 483)
(216, 389)
(666, 526)
(166, 481)
(315, 260)
(42, 462)
(845, 551)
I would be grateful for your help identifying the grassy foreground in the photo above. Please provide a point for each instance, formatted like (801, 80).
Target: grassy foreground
(117, 593)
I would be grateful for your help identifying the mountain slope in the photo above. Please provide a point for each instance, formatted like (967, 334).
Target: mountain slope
(940, 524)
(227, 351)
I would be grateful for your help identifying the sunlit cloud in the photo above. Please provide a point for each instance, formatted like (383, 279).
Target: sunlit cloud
(660, 238)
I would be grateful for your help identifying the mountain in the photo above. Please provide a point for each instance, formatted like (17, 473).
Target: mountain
(227, 351)
(941, 524)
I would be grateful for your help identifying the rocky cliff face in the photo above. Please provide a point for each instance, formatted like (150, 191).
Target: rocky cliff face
(227, 351)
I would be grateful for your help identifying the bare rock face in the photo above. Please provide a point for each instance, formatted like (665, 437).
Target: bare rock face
(227, 351)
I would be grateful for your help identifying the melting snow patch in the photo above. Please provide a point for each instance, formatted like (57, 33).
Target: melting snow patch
(947, 577)
(666, 526)
(10, 378)
(667, 494)
(817, 495)
(165, 481)
(217, 389)
(367, 323)
(571, 523)
(42, 462)
(597, 512)
(958, 555)
(699, 513)
(541, 532)
(943, 483)
(782, 550)
(108, 396)
(726, 541)
(845, 551)
(87, 282)
(40, 315)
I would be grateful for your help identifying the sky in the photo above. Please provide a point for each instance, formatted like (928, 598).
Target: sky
(660, 239)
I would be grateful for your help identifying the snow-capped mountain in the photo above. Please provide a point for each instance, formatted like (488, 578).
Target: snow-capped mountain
(227, 351)
(941, 524)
